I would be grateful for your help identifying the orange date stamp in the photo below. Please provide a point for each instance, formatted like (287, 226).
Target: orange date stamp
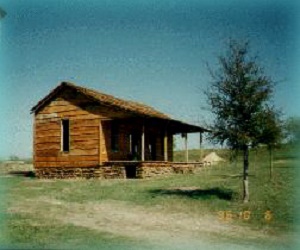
(228, 215)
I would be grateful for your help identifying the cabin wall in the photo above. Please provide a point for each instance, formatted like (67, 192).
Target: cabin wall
(84, 133)
(90, 134)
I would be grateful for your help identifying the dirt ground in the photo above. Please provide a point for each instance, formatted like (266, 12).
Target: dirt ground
(171, 230)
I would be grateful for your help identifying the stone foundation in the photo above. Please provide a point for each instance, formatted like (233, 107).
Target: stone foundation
(98, 172)
(118, 170)
(152, 169)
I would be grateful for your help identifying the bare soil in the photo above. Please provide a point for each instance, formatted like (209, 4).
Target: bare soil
(137, 222)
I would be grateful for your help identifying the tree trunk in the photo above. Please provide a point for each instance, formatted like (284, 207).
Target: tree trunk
(246, 167)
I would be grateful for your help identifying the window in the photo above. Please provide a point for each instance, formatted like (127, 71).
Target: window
(114, 137)
(65, 136)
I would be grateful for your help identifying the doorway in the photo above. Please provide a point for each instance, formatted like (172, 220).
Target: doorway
(135, 146)
(130, 172)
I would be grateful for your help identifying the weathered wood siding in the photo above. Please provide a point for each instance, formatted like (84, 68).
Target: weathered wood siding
(84, 133)
(90, 127)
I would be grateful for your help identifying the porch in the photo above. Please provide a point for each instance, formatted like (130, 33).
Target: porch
(143, 148)
(143, 140)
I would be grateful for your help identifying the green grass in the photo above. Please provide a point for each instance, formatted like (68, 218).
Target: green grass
(29, 232)
(216, 190)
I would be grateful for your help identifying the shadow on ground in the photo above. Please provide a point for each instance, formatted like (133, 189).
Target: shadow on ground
(195, 193)
(22, 173)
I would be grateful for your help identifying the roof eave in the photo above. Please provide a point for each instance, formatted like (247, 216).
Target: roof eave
(183, 127)
(52, 93)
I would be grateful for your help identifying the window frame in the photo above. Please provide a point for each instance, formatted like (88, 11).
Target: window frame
(65, 138)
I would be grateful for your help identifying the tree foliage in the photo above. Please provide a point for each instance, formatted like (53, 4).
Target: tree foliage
(272, 129)
(292, 130)
(239, 97)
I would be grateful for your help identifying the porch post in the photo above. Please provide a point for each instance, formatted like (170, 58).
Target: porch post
(143, 142)
(200, 146)
(166, 146)
(186, 147)
(100, 142)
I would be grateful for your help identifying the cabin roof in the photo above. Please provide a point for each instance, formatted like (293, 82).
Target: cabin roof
(128, 106)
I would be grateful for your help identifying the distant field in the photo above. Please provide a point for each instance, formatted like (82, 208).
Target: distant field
(196, 154)
(195, 211)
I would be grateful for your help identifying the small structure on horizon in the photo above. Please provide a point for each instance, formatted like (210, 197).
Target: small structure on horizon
(212, 158)
(80, 132)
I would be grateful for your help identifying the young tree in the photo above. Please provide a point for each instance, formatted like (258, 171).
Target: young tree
(272, 132)
(239, 98)
(292, 130)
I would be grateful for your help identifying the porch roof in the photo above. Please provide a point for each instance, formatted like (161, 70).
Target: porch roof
(177, 127)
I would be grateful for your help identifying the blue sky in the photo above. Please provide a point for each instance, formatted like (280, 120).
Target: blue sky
(149, 51)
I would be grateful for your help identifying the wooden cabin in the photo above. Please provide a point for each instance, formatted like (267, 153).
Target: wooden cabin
(80, 132)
